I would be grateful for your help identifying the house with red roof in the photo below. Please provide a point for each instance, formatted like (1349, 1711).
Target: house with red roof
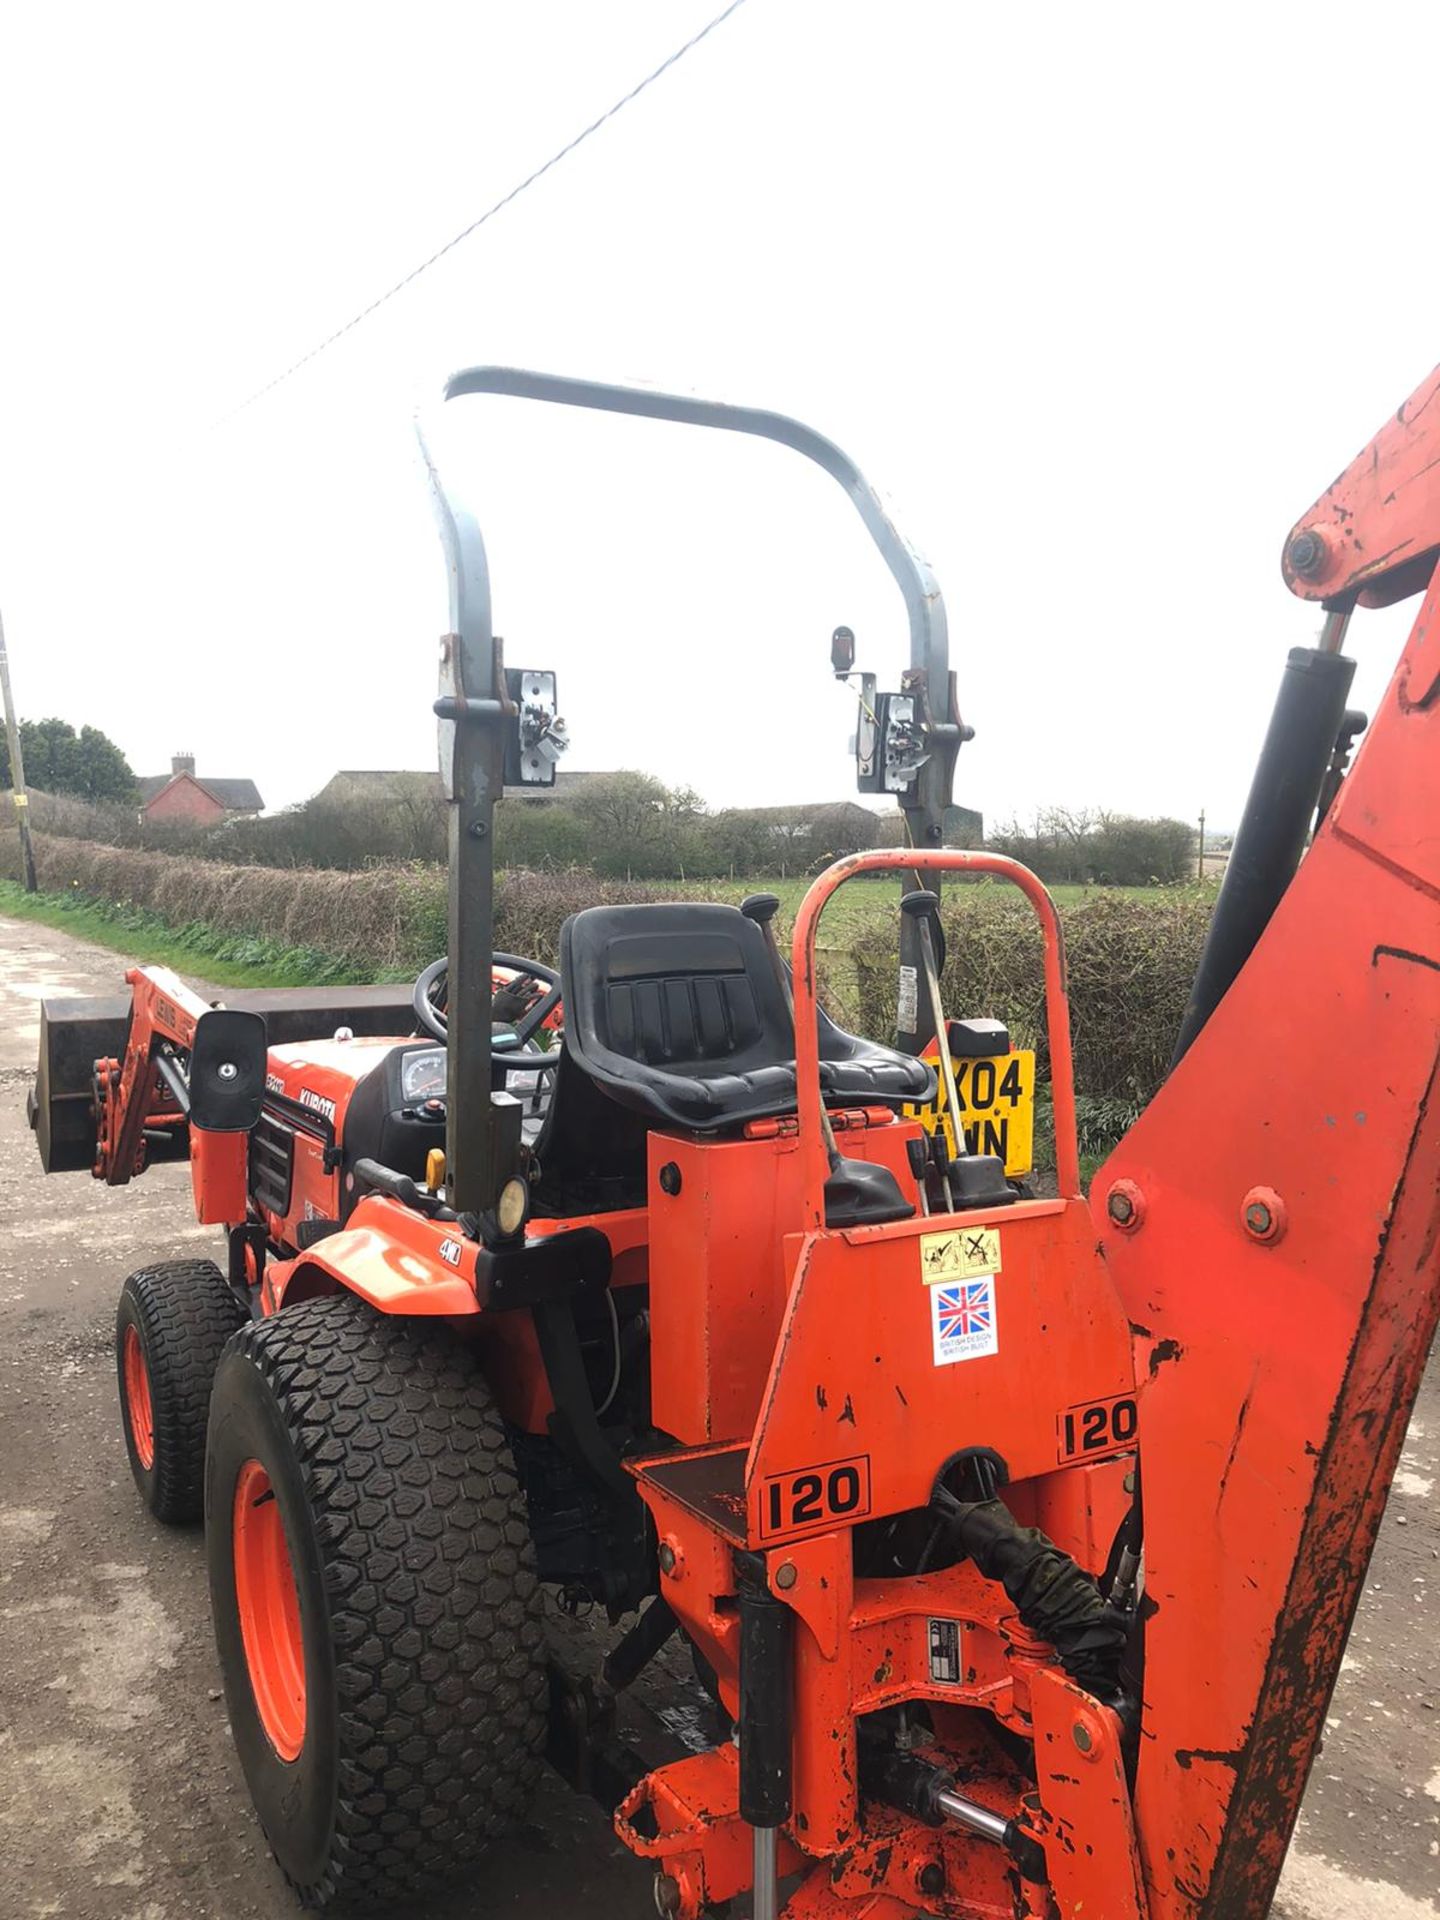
(181, 794)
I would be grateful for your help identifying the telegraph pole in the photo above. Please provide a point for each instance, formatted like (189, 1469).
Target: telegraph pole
(1200, 857)
(17, 768)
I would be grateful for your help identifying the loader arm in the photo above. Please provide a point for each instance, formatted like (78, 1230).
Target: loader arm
(187, 1069)
(1272, 1225)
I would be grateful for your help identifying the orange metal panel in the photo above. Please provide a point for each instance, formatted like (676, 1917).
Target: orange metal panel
(1080, 1511)
(391, 1257)
(321, 1076)
(889, 1873)
(856, 1370)
(1374, 530)
(1382, 808)
(1085, 1821)
(890, 1643)
(219, 1164)
(699, 1841)
(718, 1271)
(698, 1584)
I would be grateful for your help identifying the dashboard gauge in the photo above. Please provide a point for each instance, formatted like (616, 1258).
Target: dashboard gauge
(422, 1076)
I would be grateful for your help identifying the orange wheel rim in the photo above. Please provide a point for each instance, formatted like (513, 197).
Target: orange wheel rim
(268, 1603)
(138, 1410)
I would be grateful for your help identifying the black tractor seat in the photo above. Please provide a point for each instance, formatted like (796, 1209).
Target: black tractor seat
(677, 1014)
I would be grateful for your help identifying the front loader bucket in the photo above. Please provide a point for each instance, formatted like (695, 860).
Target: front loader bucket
(74, 1034)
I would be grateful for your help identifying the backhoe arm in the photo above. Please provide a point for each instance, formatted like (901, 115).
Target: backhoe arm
(1372, 537)
(1272, 1225)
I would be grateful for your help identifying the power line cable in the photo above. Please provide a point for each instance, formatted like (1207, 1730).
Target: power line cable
(489, 214)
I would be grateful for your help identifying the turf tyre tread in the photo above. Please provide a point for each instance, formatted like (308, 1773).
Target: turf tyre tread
(433, 1615)
(184, 1312)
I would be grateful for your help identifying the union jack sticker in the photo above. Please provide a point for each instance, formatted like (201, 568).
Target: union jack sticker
(962, 1319)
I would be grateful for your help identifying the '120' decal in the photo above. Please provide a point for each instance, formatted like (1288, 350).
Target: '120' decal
(816, 1497)
(1097, 1427)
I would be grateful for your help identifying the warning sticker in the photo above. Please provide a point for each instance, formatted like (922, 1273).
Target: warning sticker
(907, 1014)
(963, 1250)
(945, 1652)
(962, 1319)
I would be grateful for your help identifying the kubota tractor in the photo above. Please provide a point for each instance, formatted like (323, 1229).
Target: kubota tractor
(1015, 1538)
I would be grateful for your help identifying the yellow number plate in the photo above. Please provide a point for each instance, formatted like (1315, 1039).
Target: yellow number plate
(997, 1107)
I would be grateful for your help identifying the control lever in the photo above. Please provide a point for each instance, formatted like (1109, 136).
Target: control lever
(922, 907)
(399, 1186)
(917, 1152)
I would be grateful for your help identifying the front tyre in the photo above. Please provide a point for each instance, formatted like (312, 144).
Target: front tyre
(170, 1330)
(376, 1607)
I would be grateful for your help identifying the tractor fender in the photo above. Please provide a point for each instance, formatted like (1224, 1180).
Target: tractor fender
(389, 1256)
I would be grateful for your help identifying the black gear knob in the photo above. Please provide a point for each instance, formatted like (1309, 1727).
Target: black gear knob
(920, 903)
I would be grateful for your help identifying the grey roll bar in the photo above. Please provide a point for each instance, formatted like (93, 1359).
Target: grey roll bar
(472, 702)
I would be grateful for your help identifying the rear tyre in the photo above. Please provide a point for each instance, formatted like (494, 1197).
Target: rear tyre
(170, 1330)
(376, 1607)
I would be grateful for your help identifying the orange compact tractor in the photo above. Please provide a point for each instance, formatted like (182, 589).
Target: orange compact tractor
(1015, 1539)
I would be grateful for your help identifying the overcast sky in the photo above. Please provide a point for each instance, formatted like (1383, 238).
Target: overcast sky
(1100, 297)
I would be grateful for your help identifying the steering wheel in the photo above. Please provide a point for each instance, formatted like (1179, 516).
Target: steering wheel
(429, 998)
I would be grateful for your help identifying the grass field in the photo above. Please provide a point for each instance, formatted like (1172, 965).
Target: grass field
(873, 900)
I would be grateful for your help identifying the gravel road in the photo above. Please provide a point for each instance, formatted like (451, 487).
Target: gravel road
(120, 1798)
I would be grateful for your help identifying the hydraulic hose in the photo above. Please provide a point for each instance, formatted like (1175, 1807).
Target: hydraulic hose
(1056, 1599)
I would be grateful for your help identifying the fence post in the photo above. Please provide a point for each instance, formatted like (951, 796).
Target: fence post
(17, 768)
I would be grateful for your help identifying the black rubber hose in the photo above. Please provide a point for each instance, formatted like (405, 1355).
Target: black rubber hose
(1056, 1599)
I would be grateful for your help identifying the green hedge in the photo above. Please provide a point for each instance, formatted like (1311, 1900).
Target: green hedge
(382, 920)
(1130, 962)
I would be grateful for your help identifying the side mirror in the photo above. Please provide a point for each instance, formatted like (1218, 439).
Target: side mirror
(227, 1070)
(842, 652)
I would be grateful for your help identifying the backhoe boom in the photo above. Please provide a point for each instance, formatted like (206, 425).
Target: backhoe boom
(1271, 1223)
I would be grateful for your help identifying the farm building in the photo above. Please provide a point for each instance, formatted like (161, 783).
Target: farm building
(182, 795)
